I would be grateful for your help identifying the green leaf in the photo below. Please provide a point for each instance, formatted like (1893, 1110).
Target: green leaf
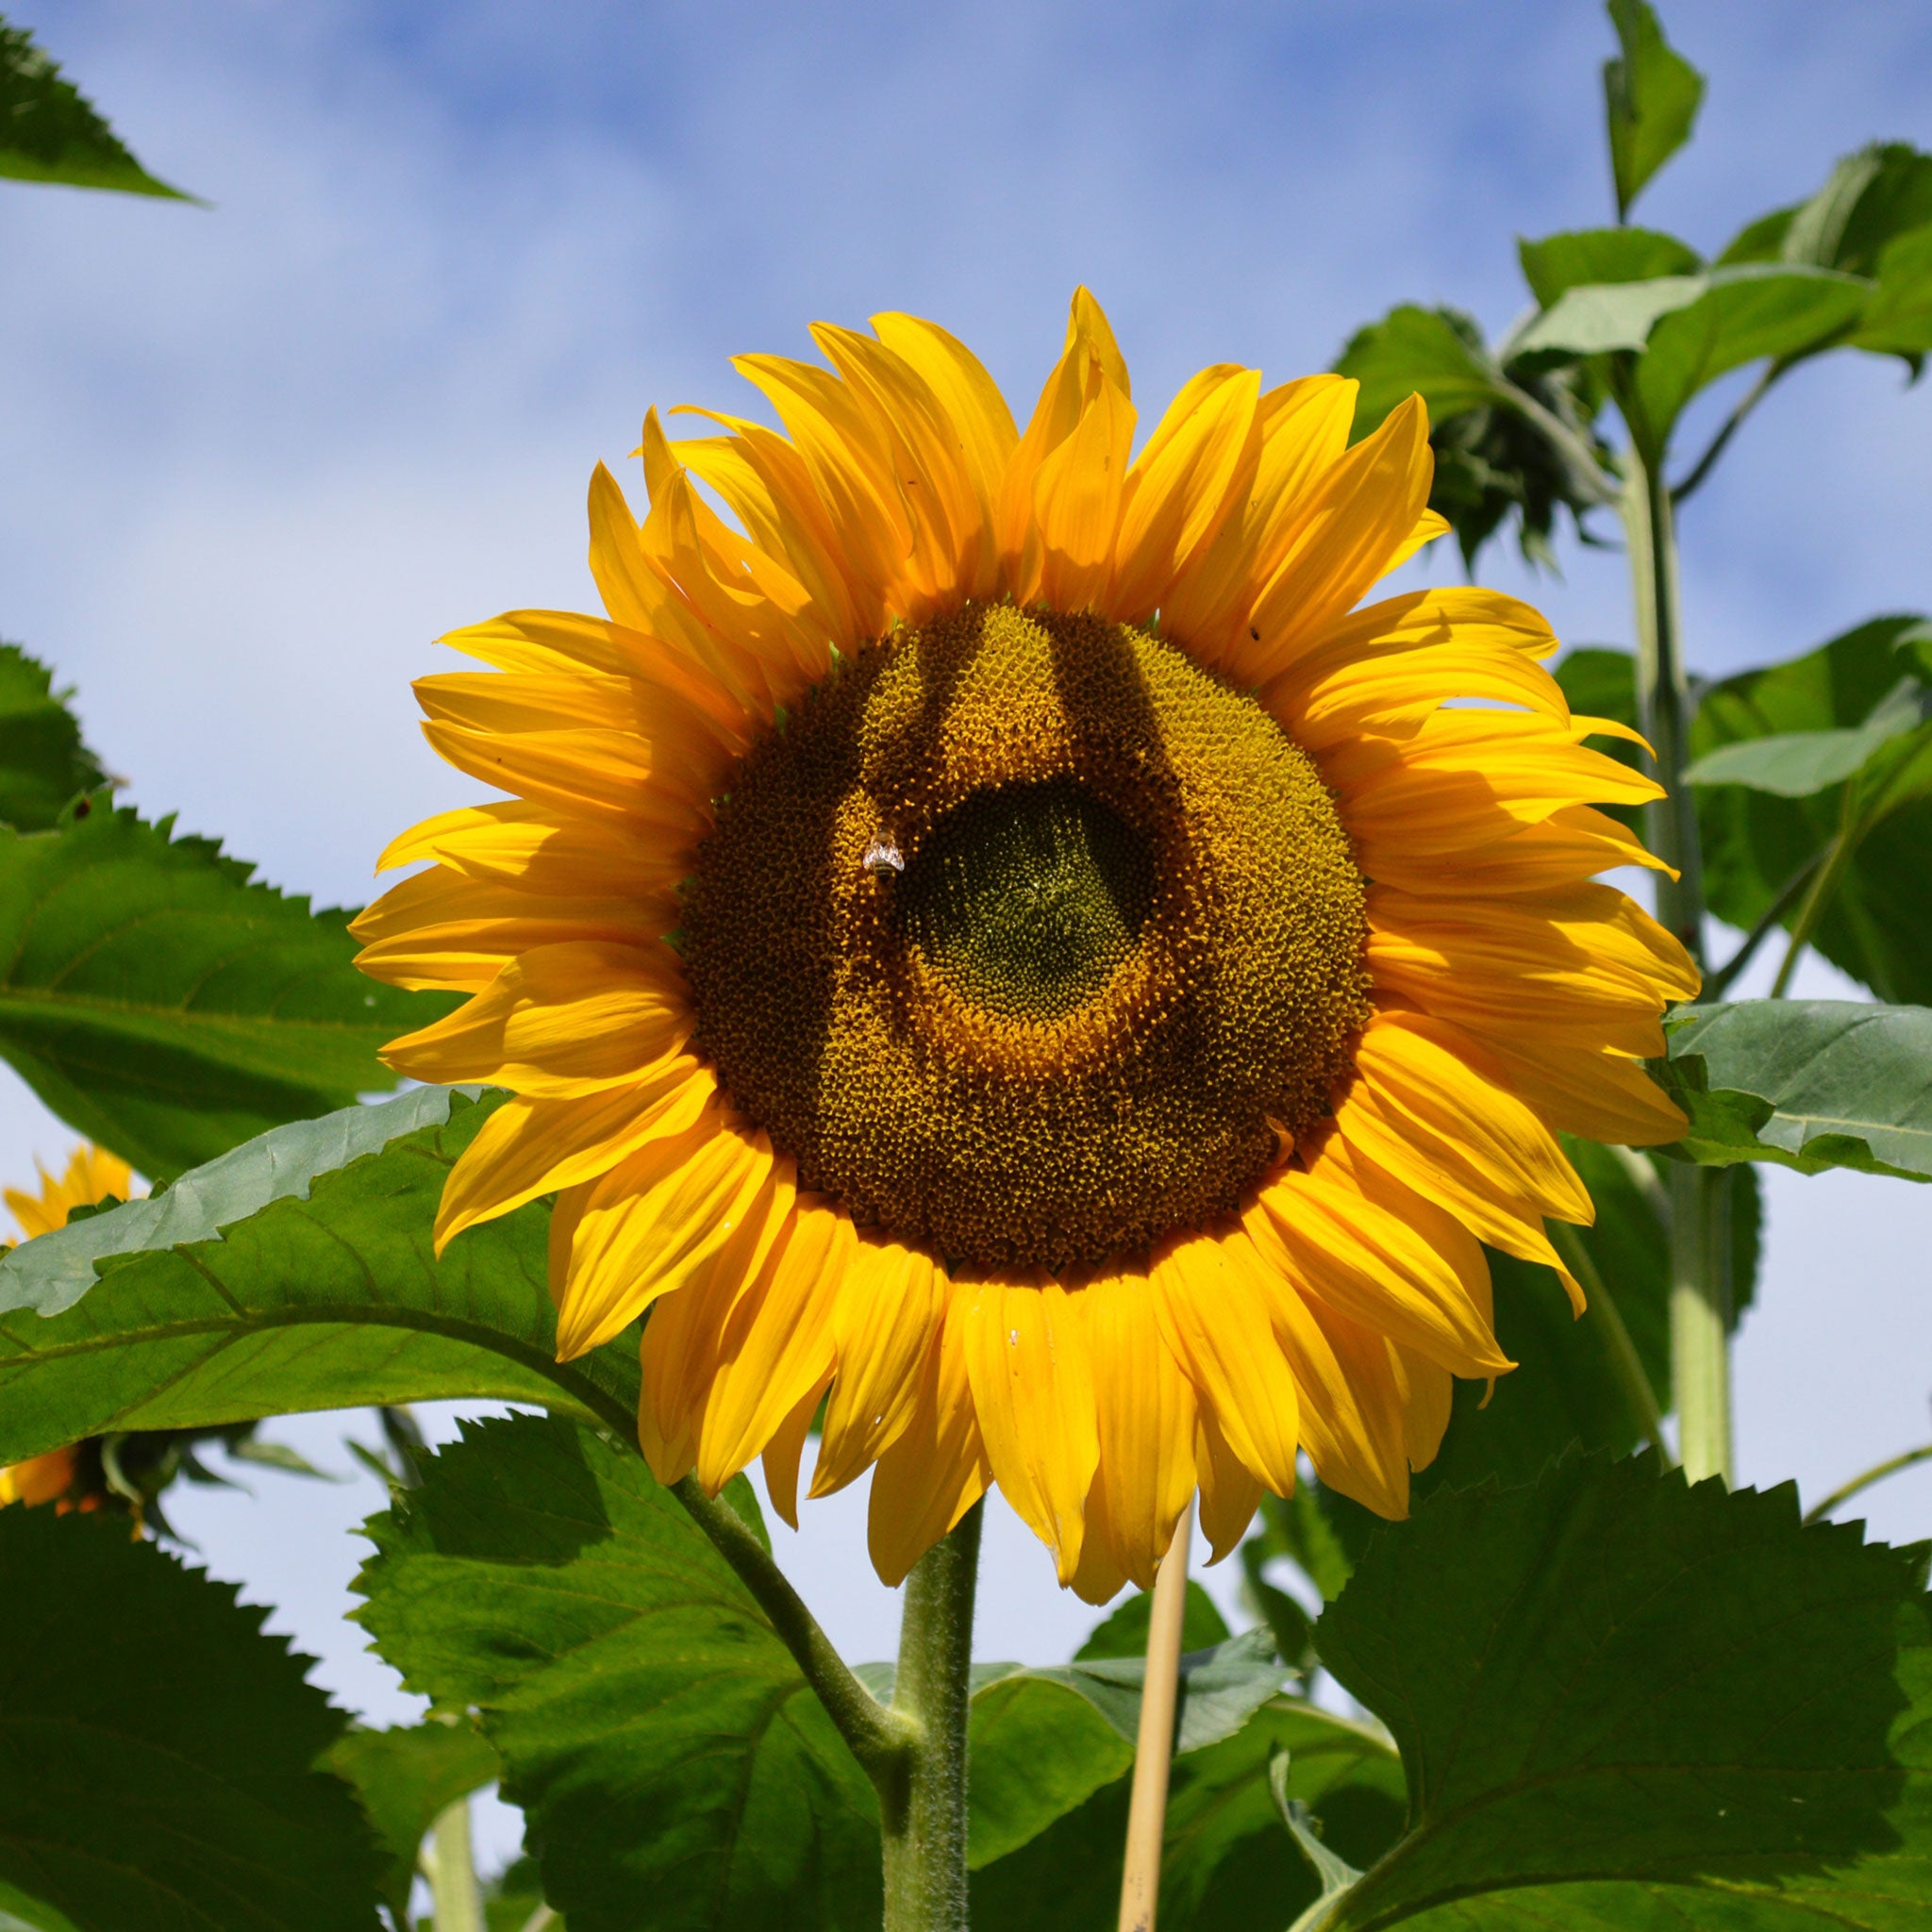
(1877, 926)
(1600, 318)
(1651, 97)
(1226, 1864)
(1745, 314)
(404, 1777)
(157, 1749)
(1870, 199)
(165, 1005)
(320, 1291)
(1435, 353)
(1794, 764)
(49, 130)
(1515, 443)
(1639, 1705)
(675, 1768)
(1124, 1632)
(43, 764)
(1898, 317)
(1300, 1529)
(1559, 264)
(1808, 1084)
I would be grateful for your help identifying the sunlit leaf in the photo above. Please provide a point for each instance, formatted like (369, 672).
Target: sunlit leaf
(296, 1273)
(1642, 1703)
(43, 764)
(404, 1777)
(675, 1768)
(1599, 318)
(49, 131)
(1227, 1865)
(158, 1751)
(1808, 1084)
(164, 1004)
(1651, 96)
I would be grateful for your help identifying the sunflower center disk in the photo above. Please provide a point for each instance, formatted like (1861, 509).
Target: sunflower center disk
(1023, 937)
(1027, 899)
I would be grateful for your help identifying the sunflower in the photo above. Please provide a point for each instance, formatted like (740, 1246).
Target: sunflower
(996, 953)
(62, 1477)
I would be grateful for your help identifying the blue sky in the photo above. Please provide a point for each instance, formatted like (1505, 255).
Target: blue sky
(253, 458)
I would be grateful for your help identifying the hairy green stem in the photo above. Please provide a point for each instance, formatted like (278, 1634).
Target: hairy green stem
(1700, 1197)
(881, 1739)
(1625, 1364)
(924, 1821)
(452, 1873)
(1877, 1474)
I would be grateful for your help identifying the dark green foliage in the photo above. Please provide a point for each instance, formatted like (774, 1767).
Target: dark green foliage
(49, 131)
(1124, 1632)
(1808, 1084)
(157, 1750)
(675, 1768)
(320, 1291)
(1651, 97)
(165, 1005)
(404, 1777)
(1228, 1864)
(43, 764)
(1642, 1703)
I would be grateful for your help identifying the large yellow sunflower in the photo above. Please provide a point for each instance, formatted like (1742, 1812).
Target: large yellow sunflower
(999, 944)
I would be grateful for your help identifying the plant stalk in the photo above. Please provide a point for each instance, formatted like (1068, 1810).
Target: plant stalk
(1700, 1197)
(1153, 1744)
(452, 1873)
(879, 1739)
(1859, 1484)
(922, 1815)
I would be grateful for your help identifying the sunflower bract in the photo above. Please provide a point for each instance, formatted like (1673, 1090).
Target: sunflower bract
(998, 947)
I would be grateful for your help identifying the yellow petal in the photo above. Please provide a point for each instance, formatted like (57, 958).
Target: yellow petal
(1145, 1411)
(645, 1227)
(891, 1301)
(936, 1471)
(777, 1346)
(532, 1147)
(1026, 1349)
(1375, 1269)
(1354, 521)
(1214, 1316)
(782, 1454)
(1229, 1492)
(1076, 501)
(559, 1021)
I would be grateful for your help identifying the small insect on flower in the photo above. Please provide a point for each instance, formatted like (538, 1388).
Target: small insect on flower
(1118, 983)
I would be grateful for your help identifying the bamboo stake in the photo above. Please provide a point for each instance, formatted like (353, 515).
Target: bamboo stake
(1154, 1748)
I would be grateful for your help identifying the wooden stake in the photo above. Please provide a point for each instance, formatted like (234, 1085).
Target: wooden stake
(1154, 1748)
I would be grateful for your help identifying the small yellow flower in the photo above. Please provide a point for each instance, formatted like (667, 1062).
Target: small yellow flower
(92, 1175)
(999, 944)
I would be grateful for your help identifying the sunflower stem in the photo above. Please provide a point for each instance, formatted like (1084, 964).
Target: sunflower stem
(1700, 1197)
(458, 1903)
(881, 1739)
(922, 1820)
